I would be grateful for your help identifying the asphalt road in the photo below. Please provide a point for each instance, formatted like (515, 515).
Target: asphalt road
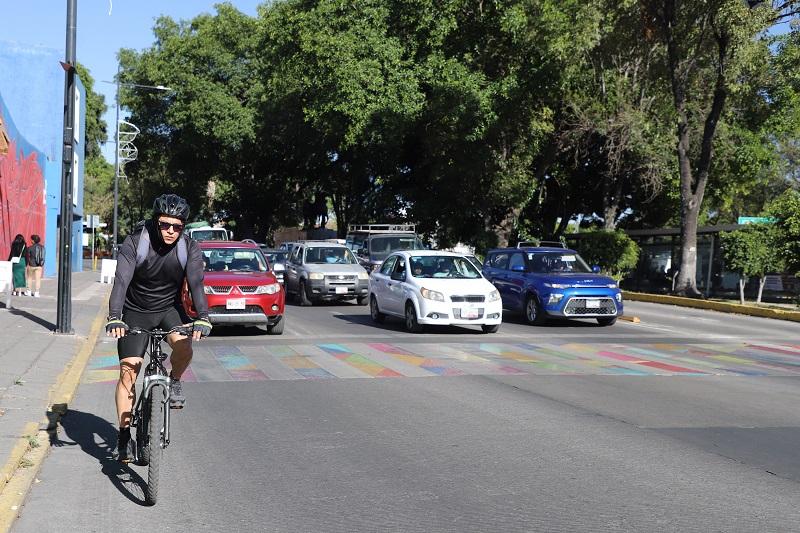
(687, 421)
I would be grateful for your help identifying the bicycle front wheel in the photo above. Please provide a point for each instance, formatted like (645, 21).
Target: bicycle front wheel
(155, 450)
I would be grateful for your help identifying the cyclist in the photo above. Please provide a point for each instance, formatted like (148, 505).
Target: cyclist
(147, 294)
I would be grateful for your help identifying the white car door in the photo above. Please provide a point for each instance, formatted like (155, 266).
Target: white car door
(380, 280)
(395, 287)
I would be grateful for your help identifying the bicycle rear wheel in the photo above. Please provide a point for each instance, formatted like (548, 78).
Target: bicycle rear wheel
(155, 451)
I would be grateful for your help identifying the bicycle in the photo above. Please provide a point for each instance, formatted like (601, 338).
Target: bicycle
(152, 406)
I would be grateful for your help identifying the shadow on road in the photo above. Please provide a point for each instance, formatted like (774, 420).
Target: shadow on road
(85, 430)
(49, 326)
(398, 324)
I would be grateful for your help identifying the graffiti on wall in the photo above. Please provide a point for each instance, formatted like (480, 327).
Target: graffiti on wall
(22, 208)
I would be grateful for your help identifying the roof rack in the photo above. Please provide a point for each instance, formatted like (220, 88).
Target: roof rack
(381, 228)
(540, 244)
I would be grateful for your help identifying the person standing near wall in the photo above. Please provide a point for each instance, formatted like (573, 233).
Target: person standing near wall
(17, 258)
(34, 255)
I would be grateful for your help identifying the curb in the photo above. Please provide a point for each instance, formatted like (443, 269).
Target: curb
(16, 478)
(722, 307)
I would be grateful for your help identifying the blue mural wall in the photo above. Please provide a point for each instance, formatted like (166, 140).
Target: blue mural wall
(32, 85)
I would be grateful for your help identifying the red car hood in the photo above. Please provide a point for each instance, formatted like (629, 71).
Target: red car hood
(239, 278)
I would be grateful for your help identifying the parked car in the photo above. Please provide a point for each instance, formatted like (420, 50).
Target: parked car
(320, 270)
(475, 261)
(239, 287)
(430, 287)
(544, 282)
(277, 261)
(372, 243)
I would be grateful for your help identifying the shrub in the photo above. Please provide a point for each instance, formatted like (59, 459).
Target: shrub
(613, 251)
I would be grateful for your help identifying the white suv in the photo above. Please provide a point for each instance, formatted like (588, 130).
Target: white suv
(429, 287)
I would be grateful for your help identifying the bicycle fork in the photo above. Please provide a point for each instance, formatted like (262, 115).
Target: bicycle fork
(149, 383)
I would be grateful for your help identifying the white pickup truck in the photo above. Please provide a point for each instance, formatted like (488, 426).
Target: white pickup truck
(207, 233)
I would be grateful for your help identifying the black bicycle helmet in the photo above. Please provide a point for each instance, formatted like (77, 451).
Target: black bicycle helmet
(171, 205)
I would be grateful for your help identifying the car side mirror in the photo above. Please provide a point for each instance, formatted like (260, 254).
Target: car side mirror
(518, 268)
(362, 251)
(596, 269)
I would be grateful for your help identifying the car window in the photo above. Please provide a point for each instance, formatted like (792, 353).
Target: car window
(336, 255)
(517, 260)
(499, 261)
(555, 262)
(399, 267)
(234, 260)
(297, 253)
(380, 247)
(388, 265)
(432, 266)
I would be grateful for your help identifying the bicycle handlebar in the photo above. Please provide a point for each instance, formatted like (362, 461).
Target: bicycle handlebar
(184, 330)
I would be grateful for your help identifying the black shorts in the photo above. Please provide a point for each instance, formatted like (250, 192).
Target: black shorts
(135, 345)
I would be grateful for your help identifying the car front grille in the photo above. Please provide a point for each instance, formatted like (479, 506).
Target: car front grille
(222, 310)
(471, 299)
(221, 289)
(248, 289)
(579, 307)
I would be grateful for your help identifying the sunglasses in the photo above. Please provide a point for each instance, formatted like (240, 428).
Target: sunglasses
(164, 226)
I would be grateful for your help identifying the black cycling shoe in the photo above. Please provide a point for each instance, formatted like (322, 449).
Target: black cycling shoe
(126, 451)
(176, 398)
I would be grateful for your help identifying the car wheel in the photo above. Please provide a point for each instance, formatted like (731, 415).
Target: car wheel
(494, 328)
(302, 295)
(412, 325)
(276, 329)
(607, 320)
(534, 315)
(361, 300)
(374, 312)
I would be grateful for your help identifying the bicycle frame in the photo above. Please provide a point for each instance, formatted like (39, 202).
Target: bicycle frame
(155, 375)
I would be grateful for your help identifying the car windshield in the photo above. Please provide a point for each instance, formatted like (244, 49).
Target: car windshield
(381, 247)
(337, 255)
(432, 266)
(234, 260)
(557, 262)
(276, 257)
(209, 235)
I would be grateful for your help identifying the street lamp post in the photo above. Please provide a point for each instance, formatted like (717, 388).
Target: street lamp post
(114, 243)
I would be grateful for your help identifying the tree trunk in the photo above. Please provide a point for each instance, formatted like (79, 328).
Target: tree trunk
(742, 282)
(341, 217)
(761, 281)
(505, 230)
(612, 197)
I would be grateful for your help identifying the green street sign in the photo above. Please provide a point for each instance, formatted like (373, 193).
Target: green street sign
(756, 220)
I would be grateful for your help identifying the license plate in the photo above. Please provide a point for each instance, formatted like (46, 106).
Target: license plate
(341, 290)
(469, 313)
(593, 304)
(235, 303)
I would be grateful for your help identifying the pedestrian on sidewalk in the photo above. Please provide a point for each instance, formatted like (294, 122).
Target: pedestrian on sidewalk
(17, 258)
(34, 256)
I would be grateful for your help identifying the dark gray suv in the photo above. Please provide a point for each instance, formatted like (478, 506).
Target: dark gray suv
(321, 270)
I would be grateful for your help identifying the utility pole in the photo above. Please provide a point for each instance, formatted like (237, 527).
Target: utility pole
(114, 245)
(64, 307)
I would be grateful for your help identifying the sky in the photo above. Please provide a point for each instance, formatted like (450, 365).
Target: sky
(103, 27)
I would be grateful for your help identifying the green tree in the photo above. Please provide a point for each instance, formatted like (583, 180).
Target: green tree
(752, 252)
(707, 46)
(613, 251)
(786, 210)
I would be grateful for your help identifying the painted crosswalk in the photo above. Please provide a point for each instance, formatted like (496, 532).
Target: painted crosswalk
(398, 360)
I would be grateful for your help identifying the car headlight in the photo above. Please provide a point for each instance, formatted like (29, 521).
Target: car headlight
(494, 296)
(316, 275)
(363, 275)
(618, 296)
(431, 295)
(207, 289)
(272, 288)
(558, 285)
(612, 285)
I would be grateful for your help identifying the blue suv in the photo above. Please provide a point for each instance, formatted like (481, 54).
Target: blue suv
(546, 282)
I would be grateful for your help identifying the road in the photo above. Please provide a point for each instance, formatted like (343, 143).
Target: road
(687, 421)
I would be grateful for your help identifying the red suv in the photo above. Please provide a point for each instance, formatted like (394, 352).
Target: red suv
(239, 287)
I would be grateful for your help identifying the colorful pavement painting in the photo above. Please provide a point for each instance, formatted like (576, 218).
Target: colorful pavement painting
(398, 360)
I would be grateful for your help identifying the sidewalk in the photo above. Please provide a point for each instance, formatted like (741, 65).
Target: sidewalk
(33, 359)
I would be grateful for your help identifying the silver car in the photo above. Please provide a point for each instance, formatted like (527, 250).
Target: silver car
(320, 270)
